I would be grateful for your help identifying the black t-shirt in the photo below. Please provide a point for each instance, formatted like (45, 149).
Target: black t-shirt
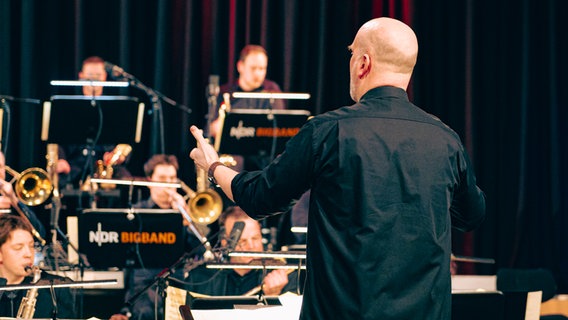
(10, 300)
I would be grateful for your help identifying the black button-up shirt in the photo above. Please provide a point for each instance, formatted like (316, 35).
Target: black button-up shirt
(388, 181)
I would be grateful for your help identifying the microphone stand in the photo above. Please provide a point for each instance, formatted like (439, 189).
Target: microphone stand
(211, 92)
(6, 106)
(160, 280)
(162, 276)
(157, 142)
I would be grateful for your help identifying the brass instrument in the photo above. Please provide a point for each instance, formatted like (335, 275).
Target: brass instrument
(32, 186)
(52, 158)
(226, 107)
(104, 170)
(27, 306)
(205, 205)
(226, 159)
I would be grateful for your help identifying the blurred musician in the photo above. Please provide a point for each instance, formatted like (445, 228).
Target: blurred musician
(8, 199)
(159, 168)
(16, 259)
(252, 66)
(225, 282)
(72, 165)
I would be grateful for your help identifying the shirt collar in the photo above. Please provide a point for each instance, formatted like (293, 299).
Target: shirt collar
(383, 92)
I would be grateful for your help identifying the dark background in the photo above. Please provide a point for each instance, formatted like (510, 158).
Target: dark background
(492, 70)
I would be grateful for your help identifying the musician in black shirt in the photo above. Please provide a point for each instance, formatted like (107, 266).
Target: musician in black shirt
(16, 260)
(159, 168)
(228, 282)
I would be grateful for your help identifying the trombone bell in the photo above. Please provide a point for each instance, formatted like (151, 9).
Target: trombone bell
(33, 186)
(205, 207)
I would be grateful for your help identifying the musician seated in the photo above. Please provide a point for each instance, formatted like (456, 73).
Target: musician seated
(76, 161)
(224, 282)
(159, 168)
(16, 260)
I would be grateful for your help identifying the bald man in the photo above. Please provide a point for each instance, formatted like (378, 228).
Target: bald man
(388, 182)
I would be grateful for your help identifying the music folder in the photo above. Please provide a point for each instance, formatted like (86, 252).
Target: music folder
(75, 119)
(109, 238)
(258, 131)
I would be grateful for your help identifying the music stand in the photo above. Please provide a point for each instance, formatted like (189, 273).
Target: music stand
(72, 119)
(56, 283)
(152, 237)
(269, 255)
(59, 284)
(271, 95)
(258, 131)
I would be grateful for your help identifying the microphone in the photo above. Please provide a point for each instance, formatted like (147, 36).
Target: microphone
(213, 87)
(117, 72)
(235, 235)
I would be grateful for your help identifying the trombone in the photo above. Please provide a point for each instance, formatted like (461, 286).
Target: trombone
(32, 186)
(205, 205)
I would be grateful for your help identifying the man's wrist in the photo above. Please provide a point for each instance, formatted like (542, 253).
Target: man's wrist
(211, 171)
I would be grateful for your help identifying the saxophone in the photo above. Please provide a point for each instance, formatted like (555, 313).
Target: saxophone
(105, 170)
(52, 159)
(27, 306)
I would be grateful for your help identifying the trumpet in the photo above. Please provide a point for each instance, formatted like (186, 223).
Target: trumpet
(32, 186)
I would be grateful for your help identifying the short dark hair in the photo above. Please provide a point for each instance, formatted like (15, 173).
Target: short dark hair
(9, 223)
(251, 48)
(157, 159)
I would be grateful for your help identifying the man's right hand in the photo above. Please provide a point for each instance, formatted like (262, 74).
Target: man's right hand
(7, 196)
(63, 166)
(204, 154)
(4, 202)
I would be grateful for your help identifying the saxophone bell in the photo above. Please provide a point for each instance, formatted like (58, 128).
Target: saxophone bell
(104, 168)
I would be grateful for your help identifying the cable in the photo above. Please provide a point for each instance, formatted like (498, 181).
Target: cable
(91, 148)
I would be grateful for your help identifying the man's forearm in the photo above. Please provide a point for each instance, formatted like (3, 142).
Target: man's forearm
(224, 177)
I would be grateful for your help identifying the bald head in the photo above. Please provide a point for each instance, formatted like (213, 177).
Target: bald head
(384, 52)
